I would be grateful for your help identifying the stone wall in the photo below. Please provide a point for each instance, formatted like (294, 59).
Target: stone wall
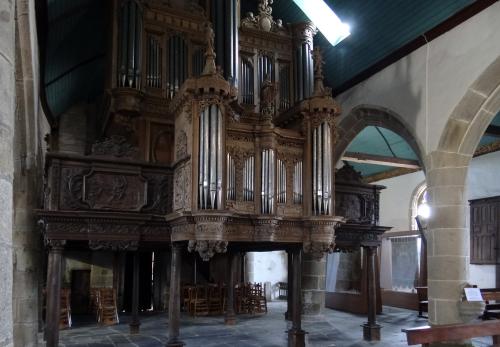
(313, 284)
(7, 107)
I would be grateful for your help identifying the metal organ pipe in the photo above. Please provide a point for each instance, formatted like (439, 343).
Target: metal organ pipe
(297, 183)
(130, 45)
(322, 169)
(210, 159)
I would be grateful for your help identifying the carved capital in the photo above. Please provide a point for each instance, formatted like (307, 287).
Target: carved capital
(304, 33)
(207, 248)
(318, 249)
(54, 245)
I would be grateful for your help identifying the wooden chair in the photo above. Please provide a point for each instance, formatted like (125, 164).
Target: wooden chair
(491, 296)
(187, 296)
(282, 290)
(258, 301)
(423, 303)
(215, 299)
(107, 310)
(65, 312)
(199, 303)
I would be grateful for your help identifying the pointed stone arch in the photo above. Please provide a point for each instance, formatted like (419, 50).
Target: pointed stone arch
(363, 116)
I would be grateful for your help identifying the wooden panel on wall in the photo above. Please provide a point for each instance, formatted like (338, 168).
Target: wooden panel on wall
(405, 300)
(484, 231)
(162, 143)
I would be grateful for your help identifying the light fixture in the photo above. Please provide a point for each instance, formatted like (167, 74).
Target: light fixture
(325, 20)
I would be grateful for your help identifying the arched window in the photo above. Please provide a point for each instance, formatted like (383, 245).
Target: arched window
(419, 205)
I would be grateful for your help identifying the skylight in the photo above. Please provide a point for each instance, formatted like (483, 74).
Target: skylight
(325, 20)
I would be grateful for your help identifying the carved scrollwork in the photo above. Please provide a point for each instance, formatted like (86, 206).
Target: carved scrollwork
(101, 245)
(206, 248)
(263, 20)
(116, 146)
(72, 184)
(181, 143)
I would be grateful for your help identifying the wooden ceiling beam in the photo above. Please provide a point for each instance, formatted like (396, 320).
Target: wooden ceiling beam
(493, 130)
(381, 160)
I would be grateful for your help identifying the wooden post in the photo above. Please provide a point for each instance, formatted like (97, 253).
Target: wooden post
(232, 263)
(371, 330)
(289, 300)
(296, 336)
(174, 304)
(53, 310)
(135, 323)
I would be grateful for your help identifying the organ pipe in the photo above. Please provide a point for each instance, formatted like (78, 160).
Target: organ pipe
(281, 182)
(154, 58)
(322, 169)
(177, 64)
(246, 82)
(248, 179)
(284, 85)
(130, 23)
(210, 159)
(231, 178)
(297, 183)
(268, 181)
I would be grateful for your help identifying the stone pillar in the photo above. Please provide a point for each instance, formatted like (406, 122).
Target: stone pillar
(53, 294)
(135, 323)
(232, 264)
(447, 237)
(303, 34)
(313, 283)
(7, 103)
(296, 336)
(174, 306)
(371, 330)
(225, 16)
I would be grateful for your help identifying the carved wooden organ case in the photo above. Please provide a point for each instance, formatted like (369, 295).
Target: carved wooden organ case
(247, 159)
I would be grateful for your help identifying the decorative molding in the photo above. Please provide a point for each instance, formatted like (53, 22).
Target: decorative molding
(318, 249)
(115, 146)
(101, 245)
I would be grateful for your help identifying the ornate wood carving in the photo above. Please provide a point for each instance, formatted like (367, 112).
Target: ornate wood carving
(104, 245)
(115, 146)
(207, 248)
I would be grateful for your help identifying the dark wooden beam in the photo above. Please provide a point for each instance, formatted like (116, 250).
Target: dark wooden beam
(489, 148)
(493, 130)
(381, 160)
(388, 174)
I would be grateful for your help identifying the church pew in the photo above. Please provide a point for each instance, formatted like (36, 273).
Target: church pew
(454, 332)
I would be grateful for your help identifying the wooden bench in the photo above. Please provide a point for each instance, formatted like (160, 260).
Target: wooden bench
(423, 303)
(454, 332)
(491, 296)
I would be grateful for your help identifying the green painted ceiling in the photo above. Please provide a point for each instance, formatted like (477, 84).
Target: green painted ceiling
(378, 28)
(379, 141)
(74, 54)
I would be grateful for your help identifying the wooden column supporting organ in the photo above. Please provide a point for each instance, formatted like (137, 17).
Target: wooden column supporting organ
(53, 292)
(371, 330)
(135, 323)
(232, 264)
(296, 336)
(174, 305)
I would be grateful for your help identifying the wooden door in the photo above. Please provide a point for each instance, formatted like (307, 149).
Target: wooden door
(484, 227)
(80, 291)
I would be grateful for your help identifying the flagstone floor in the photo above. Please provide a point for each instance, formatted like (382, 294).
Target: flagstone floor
(333, 328)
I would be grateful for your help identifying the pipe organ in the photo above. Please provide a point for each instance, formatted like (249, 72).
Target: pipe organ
(248, 160)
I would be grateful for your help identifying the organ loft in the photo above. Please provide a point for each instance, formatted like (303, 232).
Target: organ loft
(215, 136)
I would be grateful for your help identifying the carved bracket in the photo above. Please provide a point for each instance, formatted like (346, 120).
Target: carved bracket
(318, 249)
(206, 248)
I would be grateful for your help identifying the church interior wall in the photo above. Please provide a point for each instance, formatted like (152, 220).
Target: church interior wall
(395, 204)
(268, 267)
(451, 63)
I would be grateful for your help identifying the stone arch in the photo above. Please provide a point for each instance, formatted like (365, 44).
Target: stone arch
(448, 235)
(362, 116)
